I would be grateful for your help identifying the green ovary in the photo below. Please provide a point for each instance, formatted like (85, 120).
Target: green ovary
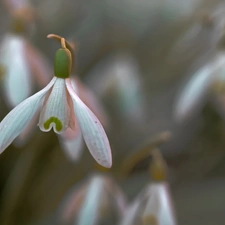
(55, 120)
(63, 63)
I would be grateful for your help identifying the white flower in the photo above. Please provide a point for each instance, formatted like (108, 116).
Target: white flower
(194, 94)
(152, 206)
(60, 109)
(71, 141)
(159, 206)
(95, 198)
(19, 60)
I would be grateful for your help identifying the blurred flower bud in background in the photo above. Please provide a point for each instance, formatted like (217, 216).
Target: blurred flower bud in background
(153, 205)
(93, 202)
(119, 77)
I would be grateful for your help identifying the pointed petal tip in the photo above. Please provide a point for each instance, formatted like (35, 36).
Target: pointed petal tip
(92, 130)
(106, 164)
(102, 164)
(104, 161)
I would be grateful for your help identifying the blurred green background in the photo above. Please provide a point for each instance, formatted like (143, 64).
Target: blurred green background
(159, 44)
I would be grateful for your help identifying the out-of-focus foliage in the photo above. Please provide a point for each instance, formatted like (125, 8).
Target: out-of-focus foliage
(138, 58)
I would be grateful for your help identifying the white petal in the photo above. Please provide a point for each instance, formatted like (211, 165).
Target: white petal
(90, 209)
(17, 80)
(17, 120)
(90, 99)
(194, 95)
(72, 143)
(132, 213)
(26, 134)
(92, 130)
(55, 112)
(159, 206)
(119, 77)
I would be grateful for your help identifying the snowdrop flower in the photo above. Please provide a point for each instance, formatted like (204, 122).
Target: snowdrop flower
(91, 201)
(194, 95)
(159, 209)
(153, 205)
(61, 108)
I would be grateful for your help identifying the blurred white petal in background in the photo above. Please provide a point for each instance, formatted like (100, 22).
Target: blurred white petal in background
(20, 61)
(159, 208)
(17, 82)
(92, 201)
(195, 94)
(119, 77)
(152, 206)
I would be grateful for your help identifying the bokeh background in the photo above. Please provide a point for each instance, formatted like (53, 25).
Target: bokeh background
(137, 57)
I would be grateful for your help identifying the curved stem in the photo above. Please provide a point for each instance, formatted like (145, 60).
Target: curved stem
(144, 152)
(67, 45)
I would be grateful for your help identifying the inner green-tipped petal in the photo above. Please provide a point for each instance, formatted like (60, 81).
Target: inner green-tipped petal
(55, 113)
(55, 120)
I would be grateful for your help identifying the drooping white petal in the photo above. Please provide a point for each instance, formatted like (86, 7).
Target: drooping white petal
(90, 100)
(26, 134)
(17, 82)
(92, 130)
(89, 212)
(194, 95)
(159, 206)
(132, 213)
(55, 112)
(72, 143)
(17, 120)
